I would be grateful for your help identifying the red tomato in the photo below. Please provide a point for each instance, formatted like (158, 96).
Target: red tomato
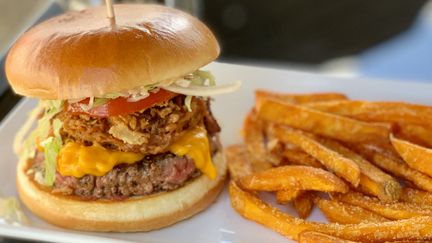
(120, 106)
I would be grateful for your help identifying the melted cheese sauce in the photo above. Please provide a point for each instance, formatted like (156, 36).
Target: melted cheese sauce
(195, 145)
(77, 160)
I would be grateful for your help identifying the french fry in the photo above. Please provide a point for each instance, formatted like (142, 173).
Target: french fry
(378, 111)
(411, 195)
(418, 134)
(314, 237)
(293, 176)
(238, 161)
(335, 162)
(296, 157)
(417, 157)
(250, 207)
(396, 166)
(261, 95)
(325, 124)
(287, 195)
(395, 210)
(408, 241)
(253, 136)
(343, 213)
(303, 204)
(373, 181)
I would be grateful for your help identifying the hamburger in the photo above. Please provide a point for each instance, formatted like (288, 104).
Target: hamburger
(125, 139)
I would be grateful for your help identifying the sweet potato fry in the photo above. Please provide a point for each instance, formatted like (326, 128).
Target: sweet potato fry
(396, 166)
(401, 169)
(395, 210)
(344, 213)
(314, 237)
(296, 157)
(253, 136)
(250, 207)
(303, 204)
(411, 195)
(287, 195)
(290, 176)
(238, 161)
(418, 134)
(417, 157)
(261, 95)
(373, 181)
(378, 111)
(325, 124)
(335, 162)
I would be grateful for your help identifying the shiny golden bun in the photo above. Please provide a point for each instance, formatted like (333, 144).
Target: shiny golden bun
(80, 54)
(136, 214)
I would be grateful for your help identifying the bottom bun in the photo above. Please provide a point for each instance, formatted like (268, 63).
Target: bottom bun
(134, 214)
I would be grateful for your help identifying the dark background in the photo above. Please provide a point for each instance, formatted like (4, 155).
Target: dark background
(304, 31)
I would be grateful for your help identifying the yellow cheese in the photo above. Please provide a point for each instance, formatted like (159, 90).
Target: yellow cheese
(195, 145)
(78, 160)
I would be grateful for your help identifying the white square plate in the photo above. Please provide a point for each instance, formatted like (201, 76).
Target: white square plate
(219, 223)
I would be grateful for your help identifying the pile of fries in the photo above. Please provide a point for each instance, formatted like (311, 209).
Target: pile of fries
(366, 165)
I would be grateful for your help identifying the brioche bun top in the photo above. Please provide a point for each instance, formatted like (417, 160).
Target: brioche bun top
(82, 54)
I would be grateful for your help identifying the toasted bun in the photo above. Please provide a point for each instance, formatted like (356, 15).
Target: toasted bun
(79, 54)
(135, 214)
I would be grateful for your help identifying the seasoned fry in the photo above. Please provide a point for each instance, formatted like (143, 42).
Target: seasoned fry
(335, 162)
(295, 176)
(287, 195)
(372, 180)
(325, 124)
(399, 168)
(415, 133)
(303, 204)
(314, 237)
(253, 136)
(417, 157)
(296, 157)
(291, 138)
(396, 166)
(412, 195)
(262, 95)
(238, 161)
(344, 213)
(378, 111)
(250, 207)
(395, 210)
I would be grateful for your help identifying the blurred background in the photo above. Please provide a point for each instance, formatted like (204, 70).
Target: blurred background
(386, 39)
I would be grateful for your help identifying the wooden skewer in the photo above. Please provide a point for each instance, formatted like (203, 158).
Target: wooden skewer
(110, 11)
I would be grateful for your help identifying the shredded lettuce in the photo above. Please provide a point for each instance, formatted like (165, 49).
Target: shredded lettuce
(204, 91)
(203, 78)
(52, 146)
(51, 108)
(99, 101)
(93, 102)
(11, 212)
(135, 94)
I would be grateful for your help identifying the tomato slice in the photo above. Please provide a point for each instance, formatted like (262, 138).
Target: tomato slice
(121, 106)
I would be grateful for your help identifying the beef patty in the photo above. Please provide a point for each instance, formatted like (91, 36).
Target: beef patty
(163, 172)
(159, 125)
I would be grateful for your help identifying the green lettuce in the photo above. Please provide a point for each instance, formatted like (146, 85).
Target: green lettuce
(51, 108)
(52, 146)
(199, 77)
(11, 212)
